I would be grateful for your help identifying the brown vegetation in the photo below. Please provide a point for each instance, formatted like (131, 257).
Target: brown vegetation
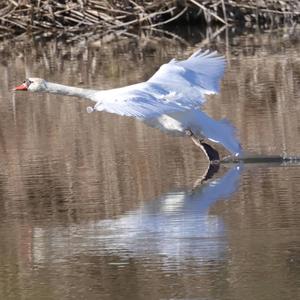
(74, 16)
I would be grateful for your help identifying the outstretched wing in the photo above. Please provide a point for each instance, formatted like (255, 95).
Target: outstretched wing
(142, 101)
(194, 77)
(176, 86)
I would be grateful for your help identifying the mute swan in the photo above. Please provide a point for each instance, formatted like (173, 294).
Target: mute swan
(170, 100)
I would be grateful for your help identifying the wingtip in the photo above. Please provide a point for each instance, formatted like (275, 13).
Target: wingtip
(208, 54)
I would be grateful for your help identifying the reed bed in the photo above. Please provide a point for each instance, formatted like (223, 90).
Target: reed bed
(77, 16)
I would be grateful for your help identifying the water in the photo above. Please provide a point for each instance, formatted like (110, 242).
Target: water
(96, 206)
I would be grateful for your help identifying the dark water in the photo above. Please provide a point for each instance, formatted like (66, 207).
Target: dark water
(102, 207)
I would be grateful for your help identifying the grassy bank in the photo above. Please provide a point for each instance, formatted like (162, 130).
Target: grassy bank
(74, 16)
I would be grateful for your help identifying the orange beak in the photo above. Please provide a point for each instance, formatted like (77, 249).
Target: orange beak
(22, 87)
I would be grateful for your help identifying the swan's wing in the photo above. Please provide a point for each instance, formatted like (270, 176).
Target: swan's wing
(176, 86)
(192, 78)
(142, 101)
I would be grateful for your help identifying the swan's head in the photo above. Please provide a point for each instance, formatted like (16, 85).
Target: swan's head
(33, 85)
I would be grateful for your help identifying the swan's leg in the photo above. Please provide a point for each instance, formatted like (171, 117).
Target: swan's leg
(188, 132)
(211, 153)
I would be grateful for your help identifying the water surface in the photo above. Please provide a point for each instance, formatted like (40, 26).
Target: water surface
(96, 206)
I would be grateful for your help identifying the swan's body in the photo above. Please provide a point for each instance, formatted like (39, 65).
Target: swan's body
(169, 100)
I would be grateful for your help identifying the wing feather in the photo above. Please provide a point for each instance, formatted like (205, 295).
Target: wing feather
(141, 101)
(201, 72)
(176, 86)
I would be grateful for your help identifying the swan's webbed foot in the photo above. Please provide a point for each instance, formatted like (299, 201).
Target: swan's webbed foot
(211, 153)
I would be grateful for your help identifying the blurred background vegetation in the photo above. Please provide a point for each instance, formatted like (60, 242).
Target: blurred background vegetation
(121, 17)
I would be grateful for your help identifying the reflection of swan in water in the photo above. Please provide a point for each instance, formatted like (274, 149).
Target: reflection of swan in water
(175, 227)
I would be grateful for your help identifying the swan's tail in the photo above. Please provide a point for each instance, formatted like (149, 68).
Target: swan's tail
(222, 132)
(202, 126)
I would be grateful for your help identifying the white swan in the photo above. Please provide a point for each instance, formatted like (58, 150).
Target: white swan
(170, 100)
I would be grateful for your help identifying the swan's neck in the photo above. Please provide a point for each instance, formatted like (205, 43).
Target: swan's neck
(55, 88)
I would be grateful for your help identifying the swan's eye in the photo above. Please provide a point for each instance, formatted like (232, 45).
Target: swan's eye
(28, 82)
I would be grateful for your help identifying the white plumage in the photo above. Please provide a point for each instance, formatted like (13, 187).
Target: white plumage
(176, 86)
(170, 100)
